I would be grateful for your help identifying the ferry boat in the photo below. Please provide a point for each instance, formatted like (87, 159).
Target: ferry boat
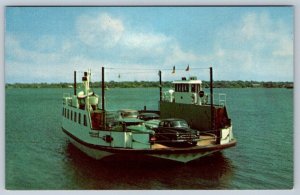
(100, 133)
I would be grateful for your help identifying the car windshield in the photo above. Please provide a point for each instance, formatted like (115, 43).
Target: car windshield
(179, 123)
(130, 114)
(149, 115)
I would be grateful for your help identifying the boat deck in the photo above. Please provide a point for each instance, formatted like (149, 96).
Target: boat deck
(206, 140)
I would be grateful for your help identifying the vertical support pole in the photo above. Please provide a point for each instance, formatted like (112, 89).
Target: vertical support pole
(103, 96)
(74, 83)
(103, 87)
(211, 98)
(211, 85)
(212, 109)
(160, 85)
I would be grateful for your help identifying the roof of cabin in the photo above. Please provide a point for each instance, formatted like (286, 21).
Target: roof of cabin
(187, 82)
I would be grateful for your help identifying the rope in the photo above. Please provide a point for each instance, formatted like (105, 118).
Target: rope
(145, 70)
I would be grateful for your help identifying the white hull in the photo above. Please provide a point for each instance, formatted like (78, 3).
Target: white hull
(183, 155)
(91, 152)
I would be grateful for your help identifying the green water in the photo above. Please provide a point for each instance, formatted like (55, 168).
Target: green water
(38, 156)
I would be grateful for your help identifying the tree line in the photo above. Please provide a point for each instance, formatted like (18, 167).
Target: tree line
(147, 84)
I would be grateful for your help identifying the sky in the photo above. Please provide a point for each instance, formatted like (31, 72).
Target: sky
(46, 44)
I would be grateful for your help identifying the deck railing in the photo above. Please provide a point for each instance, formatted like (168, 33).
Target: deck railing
(219, 99)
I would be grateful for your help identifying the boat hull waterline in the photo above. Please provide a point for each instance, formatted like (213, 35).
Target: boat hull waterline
(183, 155)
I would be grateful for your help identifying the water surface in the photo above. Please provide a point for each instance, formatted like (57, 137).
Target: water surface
(38, 156)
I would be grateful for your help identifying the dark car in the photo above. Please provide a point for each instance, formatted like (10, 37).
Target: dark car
(148, 116)
(176, 131)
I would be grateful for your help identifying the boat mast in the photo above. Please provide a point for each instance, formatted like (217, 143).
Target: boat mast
(85, 80)
(212, 109)
(103, 95)
(211, 99)
(160, 85)
(103, 87)
(74, 82)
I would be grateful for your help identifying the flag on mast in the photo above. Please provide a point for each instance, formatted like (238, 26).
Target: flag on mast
(187, 68)
(173, 72)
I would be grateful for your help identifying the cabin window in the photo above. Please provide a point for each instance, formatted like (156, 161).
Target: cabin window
(186, 88)
(193, 89)
(63, 111)
(178, 87)
(84, 120)
(198, 88)
(79, 118)
(71, 115)
(75, 116)
(68, 113)
(183, 87)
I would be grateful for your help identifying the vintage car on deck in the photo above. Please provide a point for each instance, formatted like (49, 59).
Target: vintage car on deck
(152, 124)
(176, 132)
(148, 116)
(128, 113)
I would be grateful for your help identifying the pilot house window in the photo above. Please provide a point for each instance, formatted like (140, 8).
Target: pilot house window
(182, 87)
(84, 120)
(193, 89)
(186, 88)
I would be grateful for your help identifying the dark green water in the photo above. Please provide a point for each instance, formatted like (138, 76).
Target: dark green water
(38, 156)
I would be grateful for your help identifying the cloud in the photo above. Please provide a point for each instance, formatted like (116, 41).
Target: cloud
(255, 47)
(177, 56)
(107, 34)
(43, 60)
(100, 30)
(17, 71)
(16, 50)
(103, 31)
(46, 43)
(144, 41)
(252, 47)
(256, 25)
(285, 48)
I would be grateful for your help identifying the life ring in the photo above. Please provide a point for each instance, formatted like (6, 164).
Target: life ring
(201, 93)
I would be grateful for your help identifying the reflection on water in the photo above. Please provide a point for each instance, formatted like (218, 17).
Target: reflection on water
(117, 172)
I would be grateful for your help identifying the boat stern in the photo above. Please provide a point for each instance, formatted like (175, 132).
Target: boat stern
(226, 135)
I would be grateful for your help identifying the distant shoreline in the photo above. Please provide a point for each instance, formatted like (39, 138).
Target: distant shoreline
(152, 84)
